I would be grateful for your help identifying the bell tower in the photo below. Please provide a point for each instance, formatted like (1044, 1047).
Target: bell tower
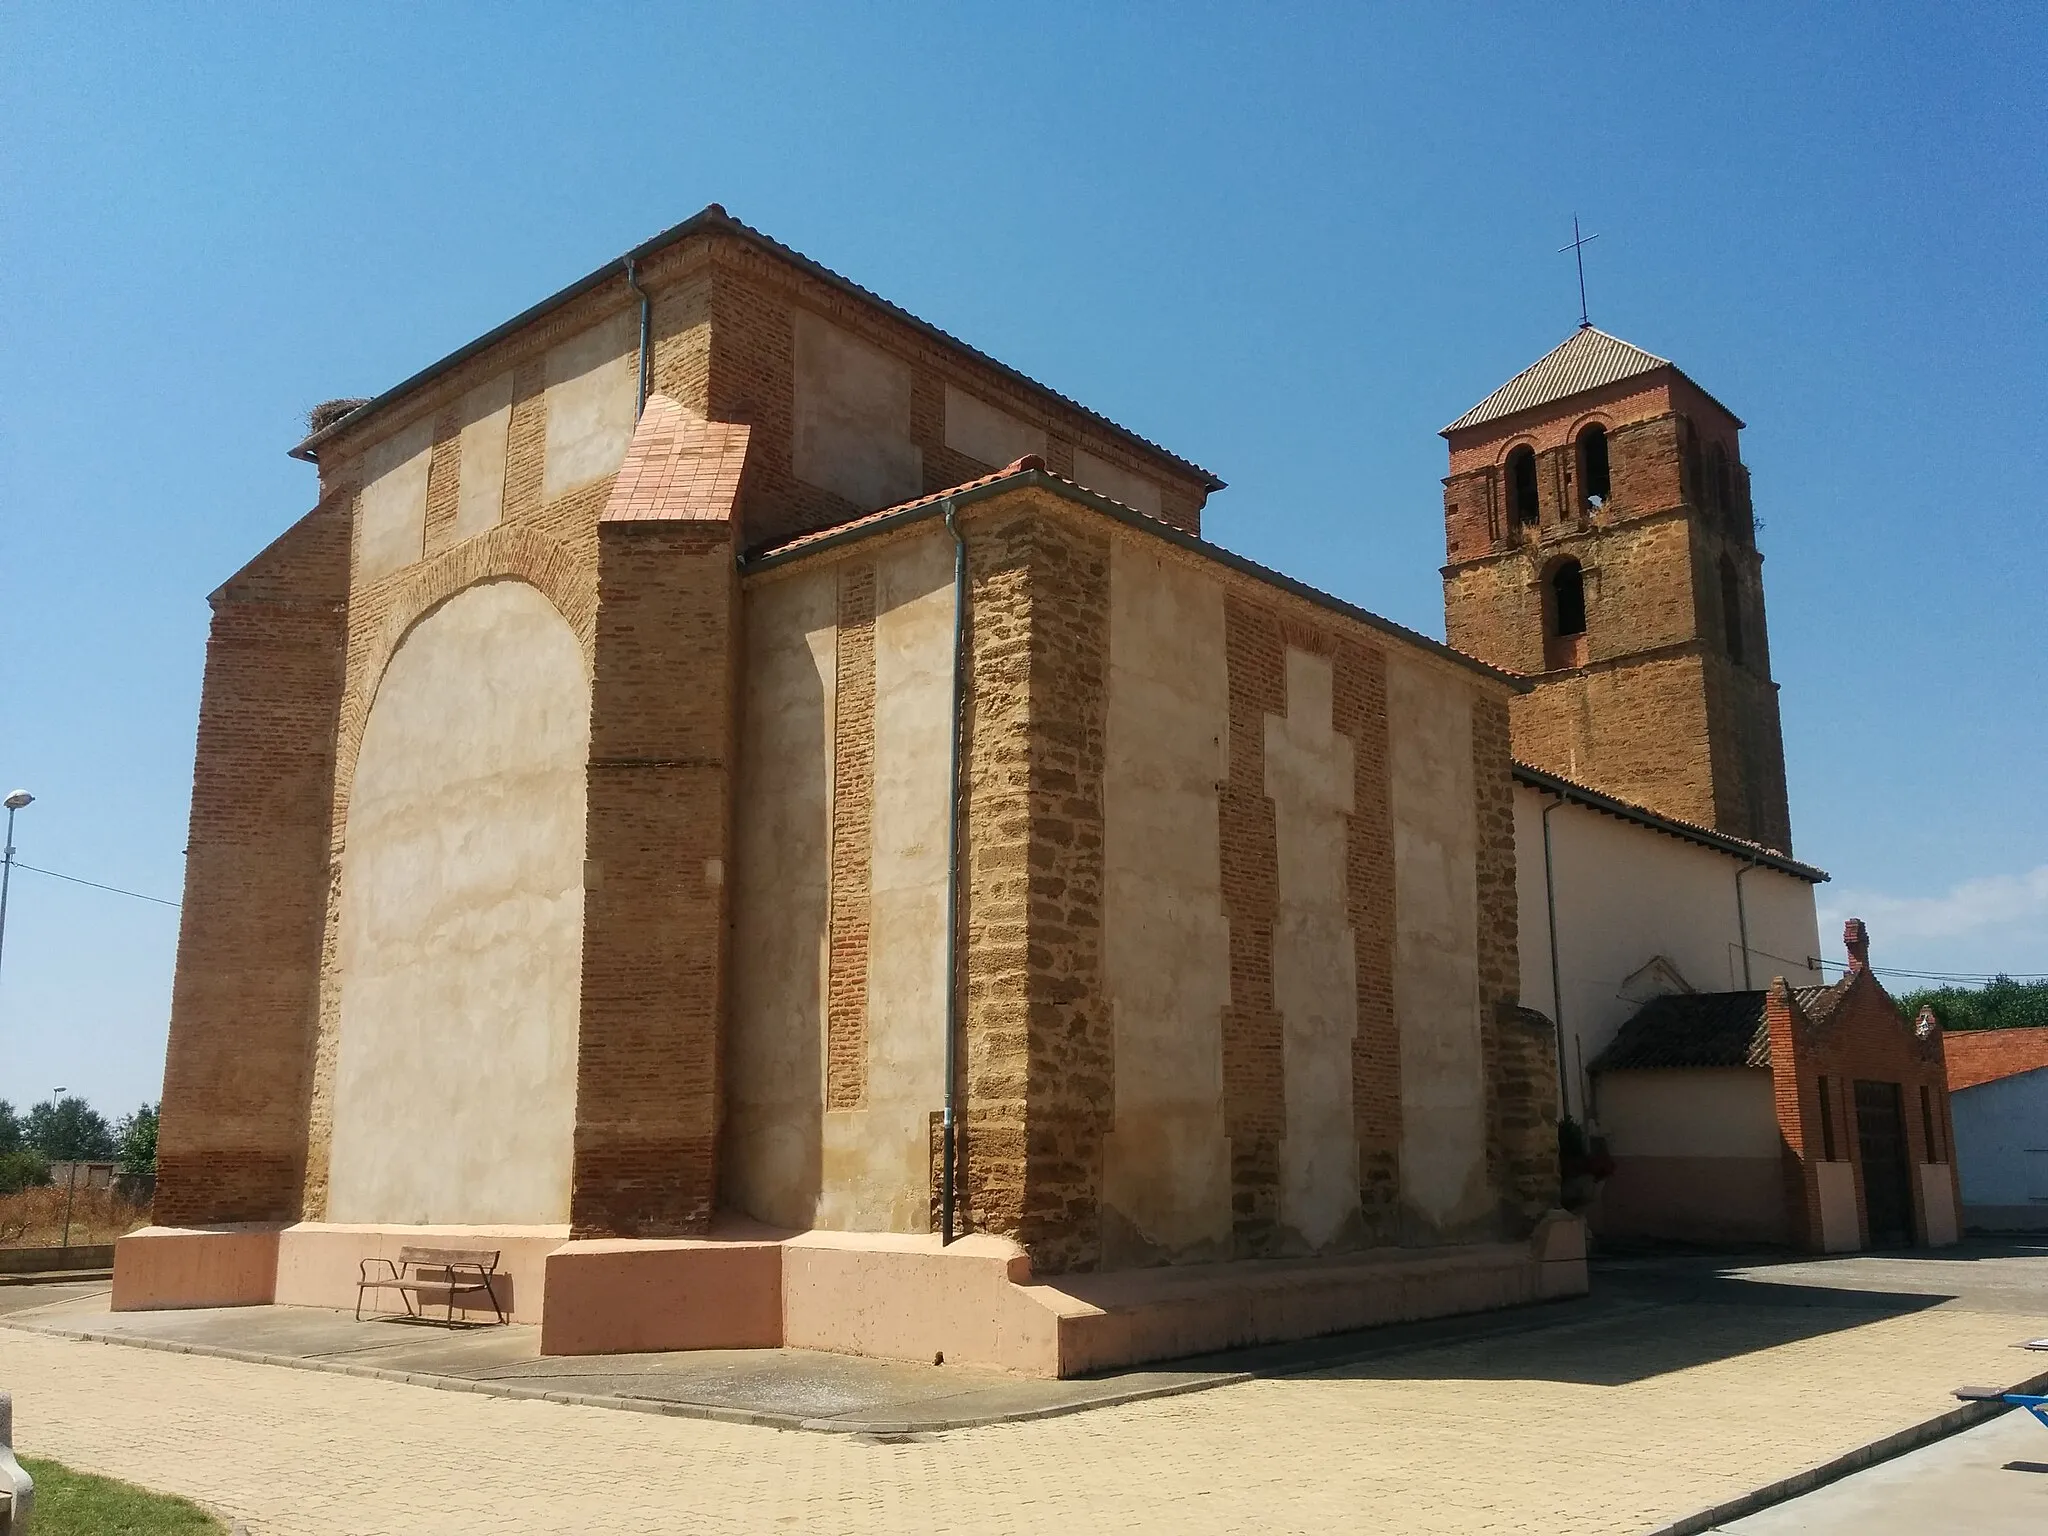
(1600, 540)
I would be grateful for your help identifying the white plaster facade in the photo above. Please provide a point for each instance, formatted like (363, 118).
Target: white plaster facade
(461, 925)
(2001, 1132)
(1627, 895)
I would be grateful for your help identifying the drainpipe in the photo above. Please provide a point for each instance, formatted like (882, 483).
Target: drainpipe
(1556, 987)
(646, 326)
(1742, 924)
(950, 1132)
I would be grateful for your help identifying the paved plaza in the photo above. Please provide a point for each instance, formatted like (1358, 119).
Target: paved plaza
(1685, 1386)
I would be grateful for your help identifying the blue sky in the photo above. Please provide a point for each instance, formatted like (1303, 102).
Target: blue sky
(1287, 242)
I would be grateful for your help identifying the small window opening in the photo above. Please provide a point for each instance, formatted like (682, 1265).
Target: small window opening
(1724, 494)
(1522, 486)
(1827, 1124)
(1568, 598)
(1927, 1125)
(1731, 610)
(1595, 485)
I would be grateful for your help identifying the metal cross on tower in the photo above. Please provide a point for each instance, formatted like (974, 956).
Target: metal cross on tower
(1578, 249)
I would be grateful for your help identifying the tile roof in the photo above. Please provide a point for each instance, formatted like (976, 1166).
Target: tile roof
(678, 468)
(1624, 810)
(1985, 1055)
(1702, 1029)
(1586, 359)
(1031, 471)
(713, 219)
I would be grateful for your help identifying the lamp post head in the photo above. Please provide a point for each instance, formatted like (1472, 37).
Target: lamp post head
(18, 799)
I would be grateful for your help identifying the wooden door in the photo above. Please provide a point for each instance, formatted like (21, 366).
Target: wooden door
(1887, 1165)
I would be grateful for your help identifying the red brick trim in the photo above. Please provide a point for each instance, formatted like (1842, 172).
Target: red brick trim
(853, 788)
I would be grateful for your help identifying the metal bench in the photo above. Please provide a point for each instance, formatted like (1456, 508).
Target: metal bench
(17, 1488)
(429, 1275)
(2037, 1406)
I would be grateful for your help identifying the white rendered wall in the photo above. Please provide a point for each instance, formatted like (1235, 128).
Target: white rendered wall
(877, 1162)
(782, 835)
(1166, 944)
(1436, 947)
(1690, 1112)
(2001, 1132)
(1627, 894)
(461, 926)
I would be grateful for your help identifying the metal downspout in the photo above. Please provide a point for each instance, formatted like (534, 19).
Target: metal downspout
(949, 1132)
(646, 326)
(1556, 987)
(1742, 924)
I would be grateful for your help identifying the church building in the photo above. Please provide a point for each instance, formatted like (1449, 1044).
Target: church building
(783, 827)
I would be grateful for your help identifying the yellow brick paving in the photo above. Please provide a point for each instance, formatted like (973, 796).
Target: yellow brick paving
(1612, 1425)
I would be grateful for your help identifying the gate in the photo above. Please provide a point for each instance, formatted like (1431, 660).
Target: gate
(1887, 1165)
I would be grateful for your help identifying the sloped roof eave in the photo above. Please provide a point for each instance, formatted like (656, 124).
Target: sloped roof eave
(713, 219)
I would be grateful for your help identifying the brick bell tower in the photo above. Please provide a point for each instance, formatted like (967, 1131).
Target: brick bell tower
(1600, 540)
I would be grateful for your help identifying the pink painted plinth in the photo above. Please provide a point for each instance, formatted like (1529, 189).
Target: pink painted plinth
(892, 1296)
(161, 1268)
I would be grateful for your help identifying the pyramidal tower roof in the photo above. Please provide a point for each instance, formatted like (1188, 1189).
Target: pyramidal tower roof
(1586, 359)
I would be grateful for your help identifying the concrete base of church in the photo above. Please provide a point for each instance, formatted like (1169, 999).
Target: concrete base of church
(885, 1295)
(159, 1268)
(313, 1264)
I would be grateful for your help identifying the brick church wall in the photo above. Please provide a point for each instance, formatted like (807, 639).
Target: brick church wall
(245, 1002)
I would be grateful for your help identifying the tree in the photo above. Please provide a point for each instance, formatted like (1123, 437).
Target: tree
(70, 1130)
(23, 1168)
(135, 1140)
(2001, 1003)
(10, 1129)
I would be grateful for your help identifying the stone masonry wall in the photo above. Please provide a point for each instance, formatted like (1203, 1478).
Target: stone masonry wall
(1039, 1042)
(245, 1002)
(1691, 732)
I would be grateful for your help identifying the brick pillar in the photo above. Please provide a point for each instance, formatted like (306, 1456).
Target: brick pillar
(1792, 1092)
(245, 1004)
(658, 844)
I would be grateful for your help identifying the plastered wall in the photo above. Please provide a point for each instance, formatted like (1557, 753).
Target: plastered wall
(782, 813)
(461, 922)
(877, 1162)
(1436, 953)
(1166, 946)
(1627, 895)
(1315, 960)
(1694, 1112)
(806, 890)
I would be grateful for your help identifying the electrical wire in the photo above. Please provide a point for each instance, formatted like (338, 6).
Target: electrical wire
(96, 885)
(1964, 976)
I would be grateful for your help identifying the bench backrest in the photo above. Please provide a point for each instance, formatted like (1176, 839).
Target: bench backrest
(441, 1258)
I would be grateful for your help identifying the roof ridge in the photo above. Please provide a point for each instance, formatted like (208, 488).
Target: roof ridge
(712, 218)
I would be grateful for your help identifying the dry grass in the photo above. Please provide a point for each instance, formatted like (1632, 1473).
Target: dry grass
(34, 1218)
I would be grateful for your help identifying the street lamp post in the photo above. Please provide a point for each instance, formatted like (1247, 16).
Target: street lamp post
(14, 802)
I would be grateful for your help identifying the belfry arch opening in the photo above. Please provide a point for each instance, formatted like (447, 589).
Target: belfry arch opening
(1731, 610)
(1564, 615)
(1523, 506)
(1596, 485)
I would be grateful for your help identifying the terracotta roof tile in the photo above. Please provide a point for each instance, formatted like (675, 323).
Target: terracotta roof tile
(678, 468)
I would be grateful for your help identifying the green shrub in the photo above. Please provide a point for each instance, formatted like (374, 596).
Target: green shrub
(23, 1169)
